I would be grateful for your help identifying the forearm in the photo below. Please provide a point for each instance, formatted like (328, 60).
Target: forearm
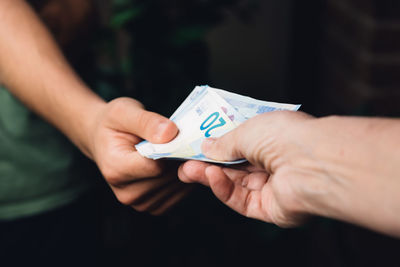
(36, 72)
(361, 157)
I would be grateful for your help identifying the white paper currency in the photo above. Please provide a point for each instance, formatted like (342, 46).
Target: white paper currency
(207, 112)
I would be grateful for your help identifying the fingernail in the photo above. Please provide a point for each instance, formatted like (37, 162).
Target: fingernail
(161, 128)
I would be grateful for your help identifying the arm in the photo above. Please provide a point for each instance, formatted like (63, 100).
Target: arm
(35, 71)
(33, 68)
(345, 168)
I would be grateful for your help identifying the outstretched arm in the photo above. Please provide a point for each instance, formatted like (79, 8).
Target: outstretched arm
(345, 168)
(35, 71)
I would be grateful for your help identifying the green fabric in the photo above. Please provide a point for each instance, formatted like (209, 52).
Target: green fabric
(166, 57)
(37, 171)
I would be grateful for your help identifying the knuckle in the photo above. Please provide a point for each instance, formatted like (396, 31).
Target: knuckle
(286, 117)
(282, 117)
(129, 197)
(117, 106)
(125, 198)
(152, 169)
(144, 120)
(135, 102)
(112, 176)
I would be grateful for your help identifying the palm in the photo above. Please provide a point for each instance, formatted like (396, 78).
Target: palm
(144, 184)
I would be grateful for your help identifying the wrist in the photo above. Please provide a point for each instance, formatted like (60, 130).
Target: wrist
(320, 166)
(331, 164)
(355, 163)
(77, 116)
(88, 124)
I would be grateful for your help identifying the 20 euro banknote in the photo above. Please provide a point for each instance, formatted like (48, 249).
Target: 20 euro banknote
(207, 112)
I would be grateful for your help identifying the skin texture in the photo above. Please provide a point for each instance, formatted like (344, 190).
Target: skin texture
(345, 168)
(34, 69)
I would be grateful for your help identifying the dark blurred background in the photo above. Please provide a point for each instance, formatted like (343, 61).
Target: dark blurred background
(332, 56)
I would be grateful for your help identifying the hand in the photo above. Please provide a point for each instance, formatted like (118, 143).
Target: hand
(339, 167)
(262, 189)
(136, 181)
(106, 132)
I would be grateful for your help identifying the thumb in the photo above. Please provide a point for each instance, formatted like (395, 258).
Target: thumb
(155, 128)
(225, 148)
(130, 116)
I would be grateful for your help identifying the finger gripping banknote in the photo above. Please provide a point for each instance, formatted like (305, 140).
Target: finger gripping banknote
(207, 112)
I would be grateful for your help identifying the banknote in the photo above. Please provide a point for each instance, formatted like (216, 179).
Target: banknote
(207, 112)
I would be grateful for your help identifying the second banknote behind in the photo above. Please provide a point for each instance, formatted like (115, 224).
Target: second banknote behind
(207, 112)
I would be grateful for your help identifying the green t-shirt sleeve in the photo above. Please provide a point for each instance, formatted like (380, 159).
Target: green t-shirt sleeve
(37, 167)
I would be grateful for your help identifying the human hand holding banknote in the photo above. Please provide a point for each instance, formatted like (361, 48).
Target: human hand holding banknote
(344, 168)
(207, 112)
(143, 184)
(259, 189)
